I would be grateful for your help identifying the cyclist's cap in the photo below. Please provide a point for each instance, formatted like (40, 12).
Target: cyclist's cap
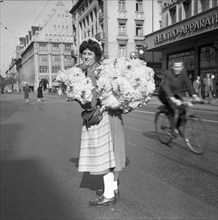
(178, 64)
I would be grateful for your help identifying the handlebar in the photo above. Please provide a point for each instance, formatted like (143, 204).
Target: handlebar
(187, 104)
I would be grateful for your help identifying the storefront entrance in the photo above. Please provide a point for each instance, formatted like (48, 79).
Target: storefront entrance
(44, 83)
(209, 64)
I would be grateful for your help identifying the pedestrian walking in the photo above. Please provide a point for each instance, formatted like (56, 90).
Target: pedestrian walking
(208, 87)
(102, 149)
(197, 86)
(39, 93)
(26, 90)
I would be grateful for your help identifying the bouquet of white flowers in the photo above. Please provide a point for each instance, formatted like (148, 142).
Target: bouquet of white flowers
(78, 86)
(124, 83)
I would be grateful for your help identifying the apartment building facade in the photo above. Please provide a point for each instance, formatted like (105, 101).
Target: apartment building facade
(189, 31)
(119, 24)
(45, 50)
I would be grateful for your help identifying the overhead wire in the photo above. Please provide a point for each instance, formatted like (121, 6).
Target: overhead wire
(41, 12)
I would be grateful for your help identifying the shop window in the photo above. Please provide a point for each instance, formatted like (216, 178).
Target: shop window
(122, 5)
(139, 30)
(173, 15)
(139, 7)
(208, 57)
(187, 8)
(122, 50)
(122, 30)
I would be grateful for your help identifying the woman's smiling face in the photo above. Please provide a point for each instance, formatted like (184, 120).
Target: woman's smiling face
(88, 57)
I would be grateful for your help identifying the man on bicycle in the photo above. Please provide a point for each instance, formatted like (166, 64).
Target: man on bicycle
(171, 91)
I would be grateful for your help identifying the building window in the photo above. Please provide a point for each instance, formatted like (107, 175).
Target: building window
(42, 46)
(122, 5)
(139, 30)
(122, 50)
(173, 15)
(43, 58)
(67, 47)
(50, 37)
(180, 13)
(122, 29)
(67, 67)
(214, 3)
(205, 5)
(43, 69)
(55, 69)
(68, 58)
(54, 26)
(139, 7)
(46, 36)
(187, 8)
(55, 47)
(167, 22)
(55, 37)
(56, 58)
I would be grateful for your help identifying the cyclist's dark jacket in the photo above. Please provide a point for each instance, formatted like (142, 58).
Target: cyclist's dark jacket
(173, 84)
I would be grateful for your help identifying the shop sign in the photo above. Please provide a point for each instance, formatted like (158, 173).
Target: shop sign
(169, 3)
(182, 31)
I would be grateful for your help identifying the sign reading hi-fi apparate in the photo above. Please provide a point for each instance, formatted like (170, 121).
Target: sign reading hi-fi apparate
(191, 28)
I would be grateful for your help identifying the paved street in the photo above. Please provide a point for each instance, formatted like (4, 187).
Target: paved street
(39, 177)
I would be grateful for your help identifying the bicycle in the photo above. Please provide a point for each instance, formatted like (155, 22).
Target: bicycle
(192, 128)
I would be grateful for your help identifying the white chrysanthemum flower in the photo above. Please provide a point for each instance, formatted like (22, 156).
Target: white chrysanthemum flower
(79, 87)
(130, 81)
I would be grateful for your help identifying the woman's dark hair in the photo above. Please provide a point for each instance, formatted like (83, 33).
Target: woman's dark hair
(92, 46)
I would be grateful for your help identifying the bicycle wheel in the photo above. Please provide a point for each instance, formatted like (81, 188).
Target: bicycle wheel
(162, 127)
(195, 134)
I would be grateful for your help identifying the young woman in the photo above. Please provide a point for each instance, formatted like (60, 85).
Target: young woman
(102, 148)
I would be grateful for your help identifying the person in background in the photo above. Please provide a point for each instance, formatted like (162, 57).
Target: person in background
(26, 90)
(197, 86)
(39, 93)
(102, 149)
(171, 92)
(208, 87)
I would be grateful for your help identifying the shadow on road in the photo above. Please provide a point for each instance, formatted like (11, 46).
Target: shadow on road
(92, 182)
(27, 192)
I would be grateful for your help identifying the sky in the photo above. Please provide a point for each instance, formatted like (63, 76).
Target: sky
(16, 18)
